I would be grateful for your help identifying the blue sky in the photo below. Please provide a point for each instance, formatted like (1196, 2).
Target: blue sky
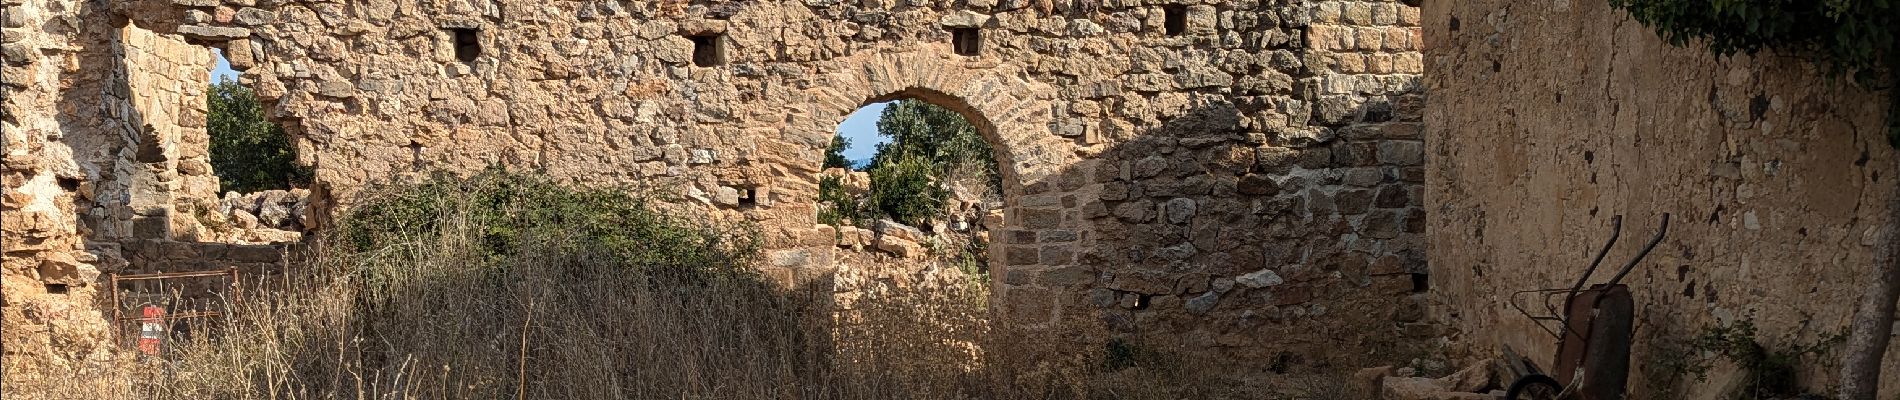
(860, 127)
(223, 70)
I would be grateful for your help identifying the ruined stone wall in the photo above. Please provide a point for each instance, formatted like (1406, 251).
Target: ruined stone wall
(1231, 177)
(105, 170)
(1548, 118)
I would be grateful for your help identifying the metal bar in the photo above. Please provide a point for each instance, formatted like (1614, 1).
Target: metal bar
(172, 275)
(1616, 231)
(183, 315)
(114, 278)
(1660, 231)
(237, 293)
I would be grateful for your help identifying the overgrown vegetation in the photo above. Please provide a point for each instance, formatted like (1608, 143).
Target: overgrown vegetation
(248, 152)
(1853, 36)
(834, 155)
(1765, 372)
(836, 206)
(1860, 38)
(931, 149)
(907, 190)
(509, 286)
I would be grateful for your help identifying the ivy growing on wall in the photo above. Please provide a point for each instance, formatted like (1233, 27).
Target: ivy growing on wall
(1849, 37)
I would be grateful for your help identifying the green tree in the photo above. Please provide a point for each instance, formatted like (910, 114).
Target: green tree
(248, 153)
(1849, 37)
(834, 155)
(937, 135)
(929, 146)
(836, 206)
(908, 190)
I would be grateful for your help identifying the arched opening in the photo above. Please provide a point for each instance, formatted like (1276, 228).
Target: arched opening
(921, 178)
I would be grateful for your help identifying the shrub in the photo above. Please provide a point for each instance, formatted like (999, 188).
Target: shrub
(908, 191)
(837, 206)
(504, 285)
(248, 153)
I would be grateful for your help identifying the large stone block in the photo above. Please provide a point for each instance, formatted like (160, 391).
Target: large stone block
(213, 32)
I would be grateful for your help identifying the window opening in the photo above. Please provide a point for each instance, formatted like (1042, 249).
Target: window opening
(468, 44)
(967, 41)
(709, 50)
(1176, 19)
(750, 198)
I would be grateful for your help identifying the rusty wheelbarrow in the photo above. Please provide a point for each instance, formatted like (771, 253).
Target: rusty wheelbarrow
(1592, 332)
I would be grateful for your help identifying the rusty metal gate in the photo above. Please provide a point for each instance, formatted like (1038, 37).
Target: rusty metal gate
(170, 306)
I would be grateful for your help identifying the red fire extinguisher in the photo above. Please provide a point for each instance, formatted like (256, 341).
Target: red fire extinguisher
(151, 329)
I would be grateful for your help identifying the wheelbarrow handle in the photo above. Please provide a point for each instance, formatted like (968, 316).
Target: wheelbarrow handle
(1616, 231)
(1660, 231)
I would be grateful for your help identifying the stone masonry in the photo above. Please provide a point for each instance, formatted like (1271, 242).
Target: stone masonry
(1239, 178)
(1548, 118)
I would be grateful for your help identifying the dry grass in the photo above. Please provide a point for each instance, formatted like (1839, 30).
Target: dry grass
(509, 287)
(503, 287)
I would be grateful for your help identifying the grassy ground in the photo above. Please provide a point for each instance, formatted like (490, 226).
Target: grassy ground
(508, 286)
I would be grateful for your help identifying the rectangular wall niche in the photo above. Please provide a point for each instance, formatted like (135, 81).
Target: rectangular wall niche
(1176, 19)
(966, 41)
(709, 50)
(468, 44)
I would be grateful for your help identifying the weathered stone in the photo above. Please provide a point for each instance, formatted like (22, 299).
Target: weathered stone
(963, 19)
(255, 253)
(1180, 210)
(254, 17)
(214, 32)
(1260, 279)
(1257, 185)
(1402, 153)
(1380, 224)
(1203, 303)
(1108, 148)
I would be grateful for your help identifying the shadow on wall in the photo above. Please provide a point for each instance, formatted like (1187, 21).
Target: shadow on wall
(1184, 248)
(1199, 237)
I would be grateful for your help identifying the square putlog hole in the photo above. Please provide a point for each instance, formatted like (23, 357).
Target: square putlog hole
(967, 41)
(709, 50)
(1175, 21)
(468, 44)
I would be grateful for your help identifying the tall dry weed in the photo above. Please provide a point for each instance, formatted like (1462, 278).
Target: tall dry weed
(504, 286)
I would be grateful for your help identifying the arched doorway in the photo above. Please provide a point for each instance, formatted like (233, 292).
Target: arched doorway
(922, 179)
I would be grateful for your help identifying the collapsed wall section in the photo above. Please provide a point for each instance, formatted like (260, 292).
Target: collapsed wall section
(106, 171)
(1546, 121)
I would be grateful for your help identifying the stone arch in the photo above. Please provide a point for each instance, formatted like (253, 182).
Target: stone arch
(1013, 115)
(1009, 112)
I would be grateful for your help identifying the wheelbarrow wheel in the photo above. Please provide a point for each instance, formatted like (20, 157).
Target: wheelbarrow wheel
(1534, 387)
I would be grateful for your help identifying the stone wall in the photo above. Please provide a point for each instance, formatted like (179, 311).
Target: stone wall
(1231, 177)
(1546, 119)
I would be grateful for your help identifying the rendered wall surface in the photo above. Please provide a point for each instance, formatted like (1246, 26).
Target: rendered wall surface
(1548, 118)
(1249, 186)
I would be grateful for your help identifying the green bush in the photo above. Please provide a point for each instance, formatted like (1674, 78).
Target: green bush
(248, 152)
(908, 191)
(837, 207)
(1767, 372)
(942, 138)
(508, 214)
